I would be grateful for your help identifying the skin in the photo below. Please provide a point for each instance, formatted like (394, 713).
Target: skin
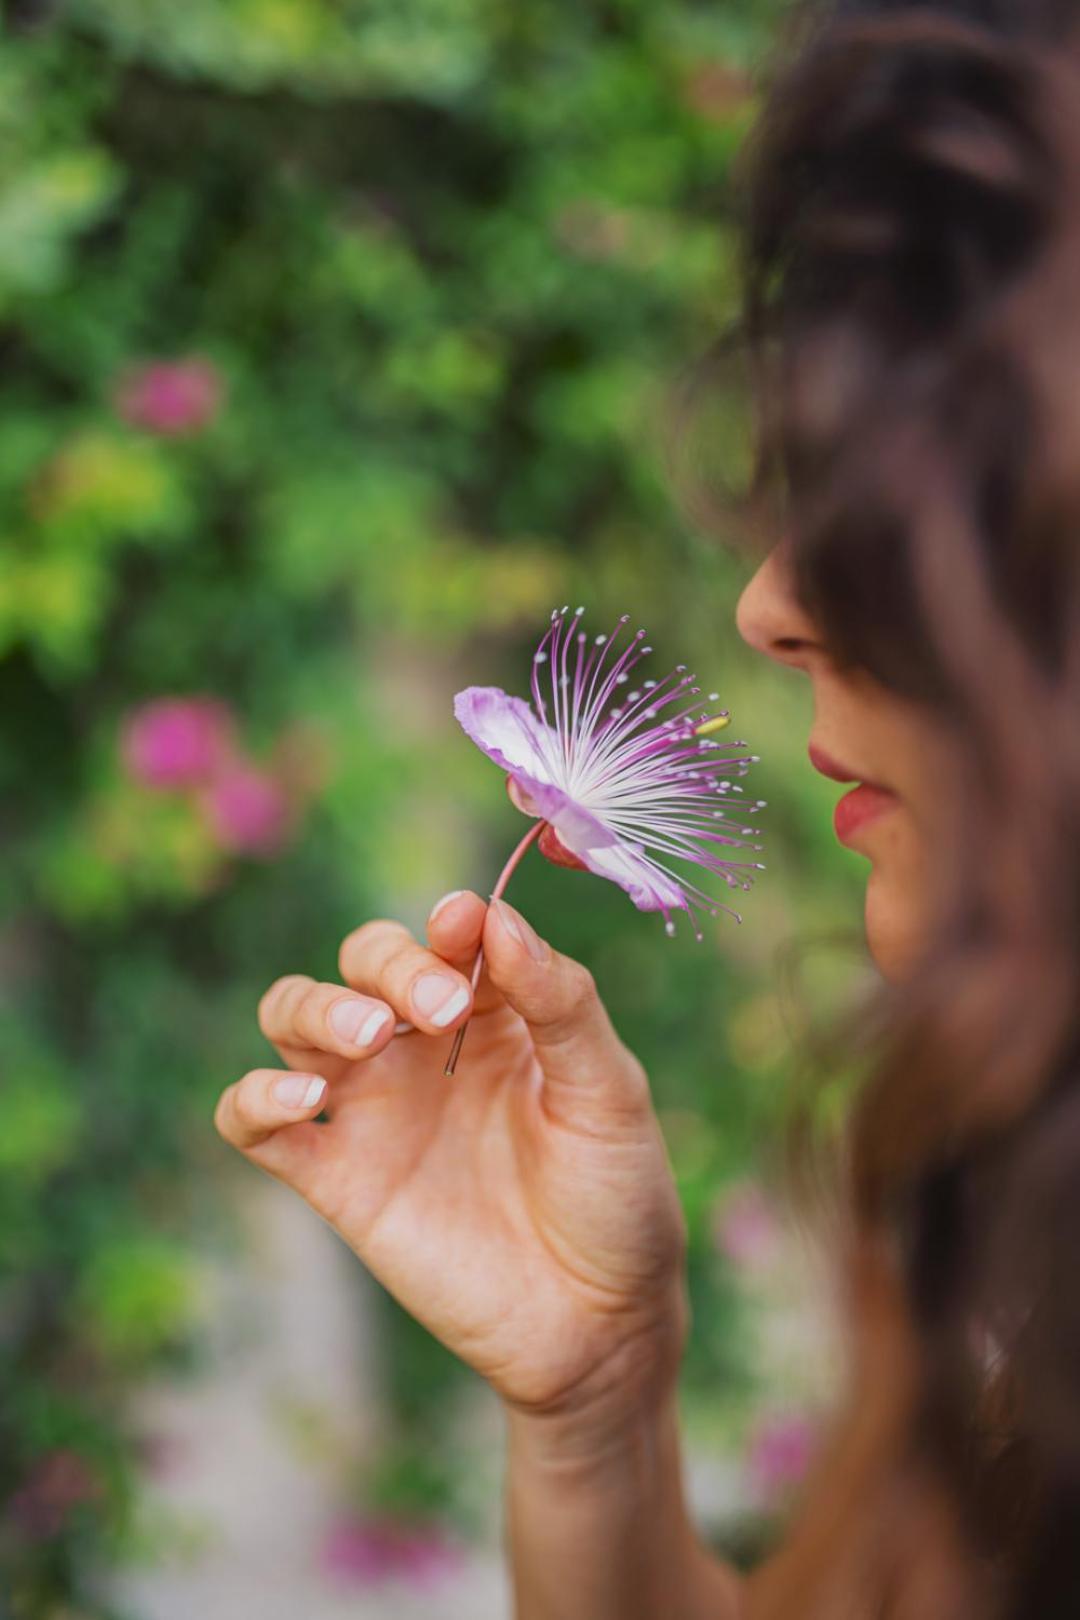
(879, 738)
(525, 1212)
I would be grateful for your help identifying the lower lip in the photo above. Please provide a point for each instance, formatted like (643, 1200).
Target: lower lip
(859, 808)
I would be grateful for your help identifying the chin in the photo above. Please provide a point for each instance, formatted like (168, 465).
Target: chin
(893, 924)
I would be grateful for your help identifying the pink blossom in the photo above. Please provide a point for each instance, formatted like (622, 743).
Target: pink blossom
(177, 742)
(170, 397)
(368, 1552)
(247, 810)
(719, 91)
(780, 1453)
(745, 1228)
(58, 1482)
(627, 773)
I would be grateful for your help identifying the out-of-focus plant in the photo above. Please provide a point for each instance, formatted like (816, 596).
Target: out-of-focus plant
(337, 341)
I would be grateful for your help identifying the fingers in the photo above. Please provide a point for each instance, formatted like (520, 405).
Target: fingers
(266, 1115)
(382, 960)
(300, 1015)
(455, 927)
(455, 930)
(579, 1052)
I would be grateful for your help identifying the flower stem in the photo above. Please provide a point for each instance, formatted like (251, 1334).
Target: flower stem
(497, 892)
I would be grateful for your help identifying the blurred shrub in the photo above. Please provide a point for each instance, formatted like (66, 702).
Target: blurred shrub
(336, 342)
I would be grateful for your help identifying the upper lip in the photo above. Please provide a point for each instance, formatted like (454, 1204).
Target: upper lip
(823, 762)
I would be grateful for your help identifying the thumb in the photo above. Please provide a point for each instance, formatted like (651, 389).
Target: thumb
(586, 1068)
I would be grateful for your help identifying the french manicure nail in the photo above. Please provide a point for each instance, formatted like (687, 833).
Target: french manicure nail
(520, 932)
(445, 901)
(345, 1019)
(356, 1022)
(299, 1090)
(373, 1026)
(438, 998)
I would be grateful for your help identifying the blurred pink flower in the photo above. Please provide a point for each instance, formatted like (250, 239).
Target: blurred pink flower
(718, 91)
(745, 1228)
(177, 742)
(590, 230)
(367, 1552)
(247, 809)
(780, 1453)
(58, 1482)
(170, 397)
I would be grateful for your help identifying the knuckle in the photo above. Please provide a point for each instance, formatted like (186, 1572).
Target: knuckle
(580, 987)
(307, 1001)
(637, 1077)
(275, 1002)
(223, 1113)
(355, 945)
(403, 960)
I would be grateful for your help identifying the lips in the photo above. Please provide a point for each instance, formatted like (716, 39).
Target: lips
(858, 808)
(837, 772)
(855, 810)
(823, 762)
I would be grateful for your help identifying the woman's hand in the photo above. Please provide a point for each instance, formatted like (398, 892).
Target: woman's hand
(524, 1211)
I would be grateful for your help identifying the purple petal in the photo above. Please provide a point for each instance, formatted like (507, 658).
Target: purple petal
(625, 864)
(508, 732)
(609, 856)
(505, 728)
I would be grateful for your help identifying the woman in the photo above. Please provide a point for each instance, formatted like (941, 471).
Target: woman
(914, 232)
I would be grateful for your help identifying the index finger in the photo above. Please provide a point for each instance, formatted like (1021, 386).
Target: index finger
(382, 959)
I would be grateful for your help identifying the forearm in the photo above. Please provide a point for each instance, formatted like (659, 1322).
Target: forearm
(603, 1532)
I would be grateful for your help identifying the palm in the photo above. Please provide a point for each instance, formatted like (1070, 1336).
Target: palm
(526, 1245)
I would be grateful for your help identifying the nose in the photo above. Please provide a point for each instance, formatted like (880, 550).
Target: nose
(770, 618)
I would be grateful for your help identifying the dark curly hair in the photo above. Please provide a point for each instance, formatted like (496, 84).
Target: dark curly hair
(913, 236)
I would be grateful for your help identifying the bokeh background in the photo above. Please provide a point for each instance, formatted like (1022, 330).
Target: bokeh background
(338, 345)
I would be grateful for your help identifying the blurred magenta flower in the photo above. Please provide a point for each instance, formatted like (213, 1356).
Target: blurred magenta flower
(718, 91)
(780, 1454)
(618, 778)
(745, 1227)
(170, 397)
(58, 1482)
(247, 810)
(367, 1552)
(177, 742)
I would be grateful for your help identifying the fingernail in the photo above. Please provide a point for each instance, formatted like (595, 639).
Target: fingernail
(438, 998)
(445, 901)
(356, 1022)
(519, 930)
(299, 1090)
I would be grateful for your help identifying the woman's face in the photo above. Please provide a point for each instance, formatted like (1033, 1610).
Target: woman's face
(862, 734)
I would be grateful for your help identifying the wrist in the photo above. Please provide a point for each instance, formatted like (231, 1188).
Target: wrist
(591, 1442)
(616, 1411)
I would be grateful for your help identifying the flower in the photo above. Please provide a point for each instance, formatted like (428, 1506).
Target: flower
(745, 1227)
(59, 1482)
(175, 743)
(621, 780)
(247, 810)
(367, 1552)
(780, 1454)
(170, 397)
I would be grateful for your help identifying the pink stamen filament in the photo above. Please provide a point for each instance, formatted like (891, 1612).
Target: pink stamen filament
(496, 894)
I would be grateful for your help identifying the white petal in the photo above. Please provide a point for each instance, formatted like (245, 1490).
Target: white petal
(505, 728)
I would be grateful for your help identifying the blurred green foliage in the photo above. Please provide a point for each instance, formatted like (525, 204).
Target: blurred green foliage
(338, 339)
